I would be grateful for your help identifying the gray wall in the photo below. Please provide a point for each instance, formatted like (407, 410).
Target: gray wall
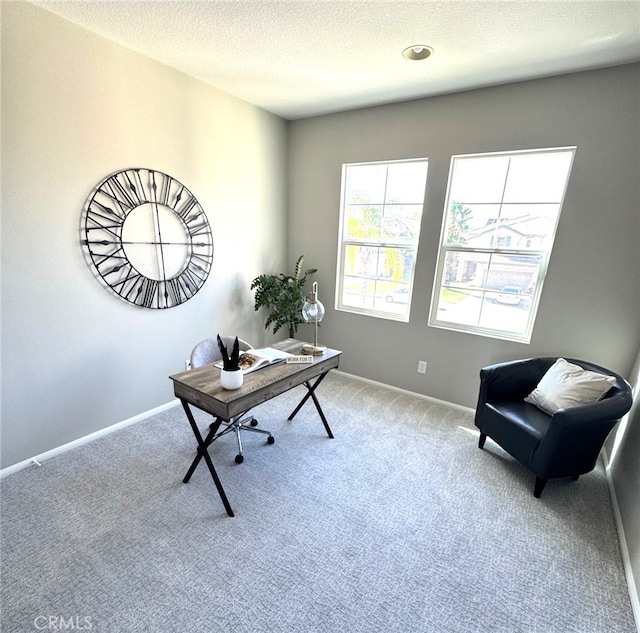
(590, 306)
(75, 108)
(591, 299)
(625, 472)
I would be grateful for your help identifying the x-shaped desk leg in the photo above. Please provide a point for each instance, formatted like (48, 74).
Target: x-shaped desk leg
(310, 394)
(203, 452)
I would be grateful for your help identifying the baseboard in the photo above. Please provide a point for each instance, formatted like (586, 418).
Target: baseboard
(413, 394)
(38, 459)
(634, 594)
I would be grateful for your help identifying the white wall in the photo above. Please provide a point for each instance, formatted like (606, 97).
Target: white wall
(75, 108)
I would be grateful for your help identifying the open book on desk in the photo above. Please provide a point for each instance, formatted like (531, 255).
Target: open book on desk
(253, 359)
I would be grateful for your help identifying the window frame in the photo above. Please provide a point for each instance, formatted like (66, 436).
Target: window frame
(344, 243)
(444, 248)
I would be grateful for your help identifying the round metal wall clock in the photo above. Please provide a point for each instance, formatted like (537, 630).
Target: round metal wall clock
(147, 238)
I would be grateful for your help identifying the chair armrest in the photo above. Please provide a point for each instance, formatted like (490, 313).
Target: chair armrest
(576, 435)
(611, 408)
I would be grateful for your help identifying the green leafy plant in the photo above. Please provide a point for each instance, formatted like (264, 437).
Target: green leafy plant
(283, 296)
(230, 362)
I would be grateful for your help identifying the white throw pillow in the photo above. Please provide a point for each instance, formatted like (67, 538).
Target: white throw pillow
(568, 385)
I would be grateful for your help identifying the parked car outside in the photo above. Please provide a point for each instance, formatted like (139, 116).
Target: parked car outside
(510, 295)
(401, 295)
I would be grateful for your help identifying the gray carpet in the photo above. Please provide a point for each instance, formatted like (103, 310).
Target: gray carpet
(400, 524)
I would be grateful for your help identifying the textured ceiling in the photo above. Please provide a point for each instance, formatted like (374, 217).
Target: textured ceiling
(304, 58)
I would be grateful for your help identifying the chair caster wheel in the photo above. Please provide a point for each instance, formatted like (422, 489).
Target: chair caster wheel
(254, 422)
(239, 459)
(271, 439)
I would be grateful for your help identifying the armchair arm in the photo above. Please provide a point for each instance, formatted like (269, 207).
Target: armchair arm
(609, 408)
(576, 435)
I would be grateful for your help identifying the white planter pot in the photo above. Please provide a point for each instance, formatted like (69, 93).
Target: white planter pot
(231, 379)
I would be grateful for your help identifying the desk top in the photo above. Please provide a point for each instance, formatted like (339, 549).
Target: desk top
(201, 386)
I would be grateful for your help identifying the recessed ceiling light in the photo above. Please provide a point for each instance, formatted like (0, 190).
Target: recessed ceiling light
(417, 52)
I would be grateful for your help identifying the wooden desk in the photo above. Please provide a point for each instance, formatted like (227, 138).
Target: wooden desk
(201, 388)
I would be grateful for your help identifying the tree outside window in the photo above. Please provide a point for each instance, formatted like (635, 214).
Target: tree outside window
(380, 217)
(500, 220)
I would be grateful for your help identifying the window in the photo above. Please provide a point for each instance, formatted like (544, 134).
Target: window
(380, 214)
(501, 214)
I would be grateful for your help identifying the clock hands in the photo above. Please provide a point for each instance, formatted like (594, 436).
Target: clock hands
(148, 243)
(157, 229)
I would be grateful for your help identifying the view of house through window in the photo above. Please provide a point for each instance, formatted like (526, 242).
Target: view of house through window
(380, 215)
(500, 220)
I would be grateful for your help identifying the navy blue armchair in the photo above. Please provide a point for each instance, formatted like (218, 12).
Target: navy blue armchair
(565, 444)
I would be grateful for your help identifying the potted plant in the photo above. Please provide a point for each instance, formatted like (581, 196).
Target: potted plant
(231, 376)
(284, 297)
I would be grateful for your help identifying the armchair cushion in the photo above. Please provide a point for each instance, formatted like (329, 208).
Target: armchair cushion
(516, 426)
(568, 385)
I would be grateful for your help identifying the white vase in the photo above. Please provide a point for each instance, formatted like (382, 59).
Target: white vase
(231, 379)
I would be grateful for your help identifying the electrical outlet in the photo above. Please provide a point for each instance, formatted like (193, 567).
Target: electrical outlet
(422, 366)
(187, 364)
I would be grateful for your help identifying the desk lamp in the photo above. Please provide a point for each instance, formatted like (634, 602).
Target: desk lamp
(312, 312)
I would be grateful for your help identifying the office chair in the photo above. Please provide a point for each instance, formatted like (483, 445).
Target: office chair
(207, 351)
(558, 442)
